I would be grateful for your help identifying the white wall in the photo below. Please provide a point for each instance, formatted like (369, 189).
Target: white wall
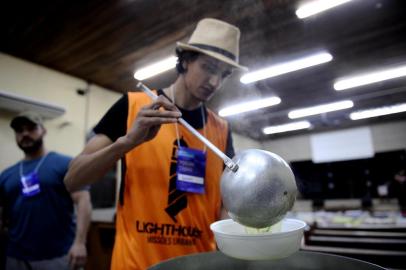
(65, 134)
(389, 136)
(241, 143)
(385, 137)
(291, 149)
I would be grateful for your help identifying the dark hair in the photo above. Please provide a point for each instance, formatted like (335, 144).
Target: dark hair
(185, 56)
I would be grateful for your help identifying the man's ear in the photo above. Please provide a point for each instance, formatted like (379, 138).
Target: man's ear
(184, 65)
(44, 130)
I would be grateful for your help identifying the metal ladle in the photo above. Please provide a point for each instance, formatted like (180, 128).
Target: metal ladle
(257, 189)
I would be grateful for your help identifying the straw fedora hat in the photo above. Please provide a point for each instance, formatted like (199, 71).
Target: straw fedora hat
(217, 39)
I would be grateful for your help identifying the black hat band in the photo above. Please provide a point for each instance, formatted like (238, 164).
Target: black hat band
(215, 49)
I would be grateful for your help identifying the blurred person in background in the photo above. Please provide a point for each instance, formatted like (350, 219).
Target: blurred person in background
(399, 189)
(43, 232)
(160, 215)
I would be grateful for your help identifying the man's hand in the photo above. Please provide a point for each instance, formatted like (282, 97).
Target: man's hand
(77, 256)
(149, 120)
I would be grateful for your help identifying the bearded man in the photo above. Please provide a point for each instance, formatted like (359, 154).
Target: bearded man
(39, 211)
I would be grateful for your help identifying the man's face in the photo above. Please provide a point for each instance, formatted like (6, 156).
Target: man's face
(205, 76)
(29, 137)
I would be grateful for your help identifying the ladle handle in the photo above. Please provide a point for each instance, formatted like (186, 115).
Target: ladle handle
(227, 161)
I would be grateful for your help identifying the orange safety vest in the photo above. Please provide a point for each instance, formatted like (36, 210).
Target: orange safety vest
(156, 221)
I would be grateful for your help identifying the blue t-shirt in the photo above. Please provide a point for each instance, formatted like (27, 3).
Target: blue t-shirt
(42, 226)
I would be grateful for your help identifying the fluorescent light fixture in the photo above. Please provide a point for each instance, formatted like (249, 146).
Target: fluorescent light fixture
(369, 78)
(250, 106)
(287, 127)
(378, 111)
(330, 107)
(314, 7)
(279, 69)
(156, 68)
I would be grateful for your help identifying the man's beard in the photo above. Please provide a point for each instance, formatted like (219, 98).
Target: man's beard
(33, 148)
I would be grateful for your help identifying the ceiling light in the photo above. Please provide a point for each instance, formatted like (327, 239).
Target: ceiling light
(368, 78)
(156, 68)
(378, 111)
(282, 68)
(287, 127)
(317, 6)
(249, 106)
(330, 107)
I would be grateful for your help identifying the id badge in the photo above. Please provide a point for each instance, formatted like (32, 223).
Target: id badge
(191, 170)
(30, 184)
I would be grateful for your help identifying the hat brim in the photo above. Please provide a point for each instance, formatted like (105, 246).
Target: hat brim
(218, 56)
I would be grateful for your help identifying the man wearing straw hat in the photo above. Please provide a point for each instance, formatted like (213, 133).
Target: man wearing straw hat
(169, 191)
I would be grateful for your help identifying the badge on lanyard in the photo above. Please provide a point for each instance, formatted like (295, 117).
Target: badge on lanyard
(30, 184)
(30, 181)
(191, 170)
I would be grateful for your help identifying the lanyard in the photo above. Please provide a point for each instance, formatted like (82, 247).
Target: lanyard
(36, 167)
(171, 89)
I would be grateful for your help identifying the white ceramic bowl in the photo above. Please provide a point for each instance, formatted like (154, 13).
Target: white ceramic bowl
(233, 240)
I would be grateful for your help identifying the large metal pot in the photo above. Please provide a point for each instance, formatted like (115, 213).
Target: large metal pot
(302, 260)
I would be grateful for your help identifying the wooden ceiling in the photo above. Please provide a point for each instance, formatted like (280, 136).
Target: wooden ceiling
(104, 42)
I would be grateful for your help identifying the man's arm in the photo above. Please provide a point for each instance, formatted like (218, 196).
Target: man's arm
(100, 154)
(3, 216)
(78, 253)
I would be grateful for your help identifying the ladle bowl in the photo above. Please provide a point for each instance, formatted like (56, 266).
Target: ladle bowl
(261, 191)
